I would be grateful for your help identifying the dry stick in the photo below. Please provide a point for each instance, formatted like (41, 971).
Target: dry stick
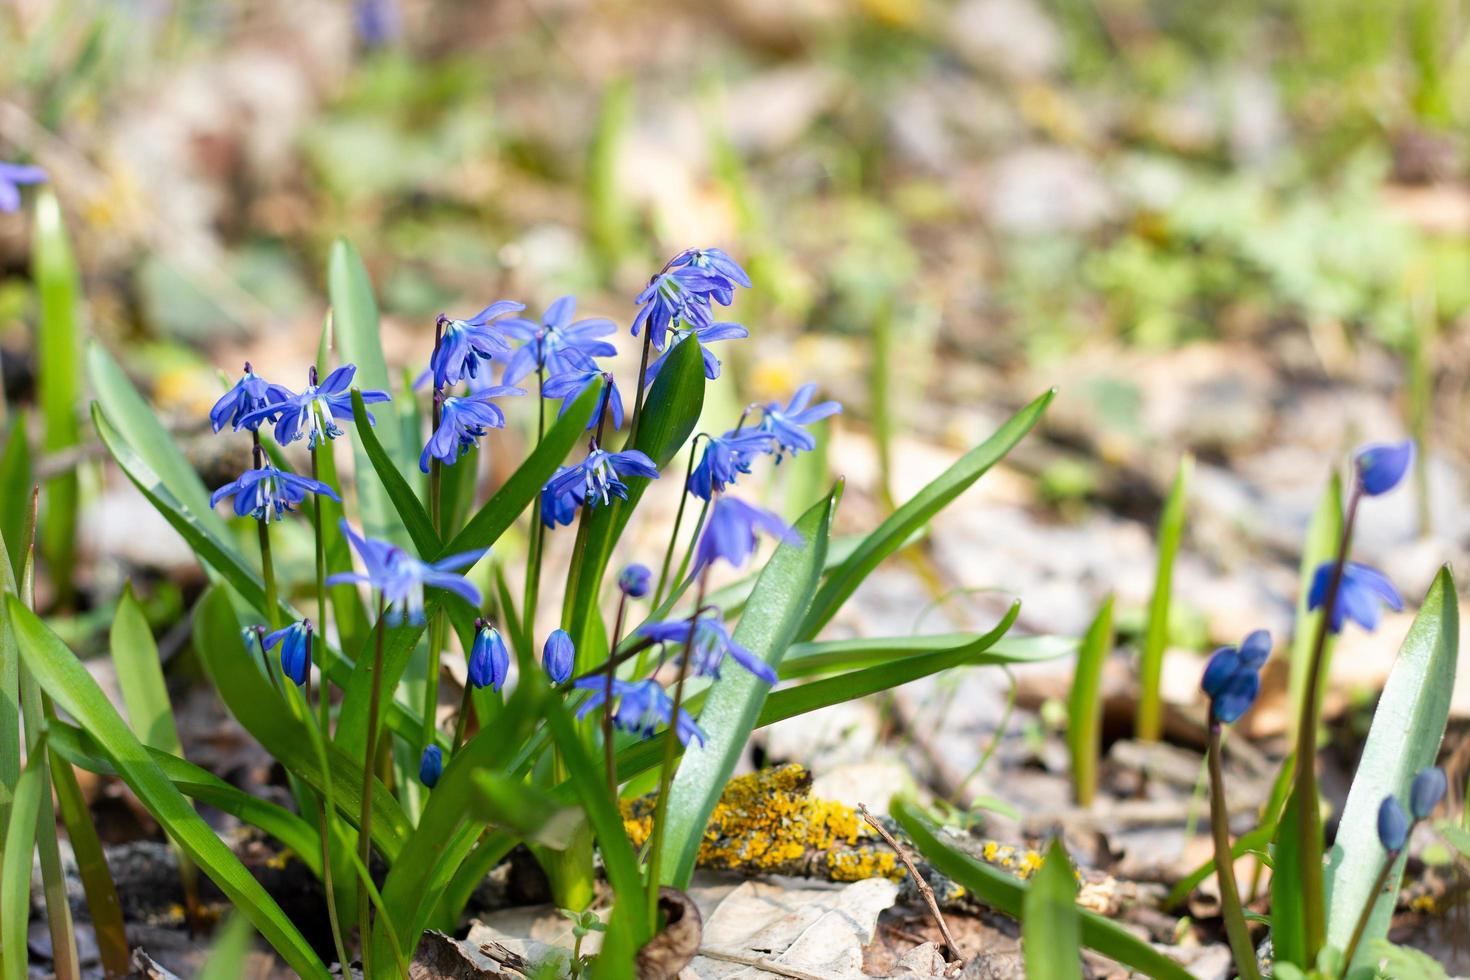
(760, 962)
(919, 881)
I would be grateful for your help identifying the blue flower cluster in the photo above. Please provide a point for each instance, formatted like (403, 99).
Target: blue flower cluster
(1233, 677)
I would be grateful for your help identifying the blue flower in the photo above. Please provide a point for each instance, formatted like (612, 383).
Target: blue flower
(717, 263)
(558, 656)
(569, 386)
(707, 334)
(711, 642)
(295, 641)
(312, 413)
(1232, 678)
(12, 176)
(1362, 592)
(489, 659)
(635, 580)
(556, 343)
(787, 425)
(594, 480)
(463, 344)
(401, 577)
(642, 707)
(1382, 466)
(1427, 790)
(1393, 824)
(679, 297)
(431, 766)
(725, 458)
(250, 393)
(731, 532)
(462, 422)
(268, 493)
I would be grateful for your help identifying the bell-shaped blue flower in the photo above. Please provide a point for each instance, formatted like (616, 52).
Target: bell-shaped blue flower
(557, 345)
(1426, 791)
(595, 480)
(634, 581)
(569, 387)
(1393, 824)
(679, 297)
(707, 334)
(787, 425)
(642, 706)
(717, 263)
(489, 659)
(401, 577)
(559, 656)
(315, 411)
(731, 532)
(725, 458)
(1232, 679)
(431, 766)
(463, 344)
(1382, 466)
(13, 176)
(1364, 590)
(295, 641)
(462, 423)
(711, 643)
(267, 493)
(248, 395)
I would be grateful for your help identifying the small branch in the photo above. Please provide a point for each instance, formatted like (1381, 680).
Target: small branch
(760, 963)
(919, 881)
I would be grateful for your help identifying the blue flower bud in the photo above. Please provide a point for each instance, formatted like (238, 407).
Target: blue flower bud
(1232, 678)
(1393, 824)
(635, 581)
(558, 656)
(1426, 792)
(431, 766)
(489, 659)
(1382, 466)
(295, 641)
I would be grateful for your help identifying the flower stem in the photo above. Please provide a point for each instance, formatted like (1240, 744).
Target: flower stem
(538, 531)
(1230, 908)
(1352, 947)
(267, 567)
(642, 380)
(671, 751)
(609, 750)
(326, 812)
(663, 574)
(462, 723)
(369, 764)
(324, 700)
(1309, 849)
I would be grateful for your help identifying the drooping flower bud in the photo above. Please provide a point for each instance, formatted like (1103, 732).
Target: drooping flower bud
(1393, 824)
(1382, 466)
(431, 766)
(1427, 790)
(558, 656)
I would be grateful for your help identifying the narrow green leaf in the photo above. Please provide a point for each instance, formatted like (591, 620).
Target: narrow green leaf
(1404, 738)
(74, 690)
(1084, 706)
(227, 957)
(103, 903)
(407, 504)
(766, 629)
(140, 677)
(523, 810)
(1288, 911)
(1007, 894)
(1402, 962)
(59, 381)
(817, 658)
(10, 731)
(1149, 722)
(915, 513)
(15, 491)
(15, 876)
(1051, 929)
(1323, 534)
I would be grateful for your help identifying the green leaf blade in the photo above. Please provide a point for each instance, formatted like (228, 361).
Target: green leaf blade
(1051, 929)
(1149, 721)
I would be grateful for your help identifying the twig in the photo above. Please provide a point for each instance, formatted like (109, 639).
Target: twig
(919, 881)
(759, 962)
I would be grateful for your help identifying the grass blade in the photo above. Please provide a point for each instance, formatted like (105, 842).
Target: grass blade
(1149, 721)
(1084, 706)
(15, 875)
(1051, 930)
(16, 481)
(407, 504)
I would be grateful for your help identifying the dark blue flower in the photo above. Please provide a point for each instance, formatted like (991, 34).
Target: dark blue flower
(1393, 824)
(787, 425)
(295, 641)
(569, 387)
(431, 766)
(250, 394)
(712, 641)
(12, 176)
(462, 422)
(725, 458)
(679, 297)
(268, 493)
(313, 412)
(558, 656)
(1362, 592)
(1427, 790)
(708, 334)
(1382, 466)
(556, 343)
(717, 263)
(489, 659)
(463, 344)
(401, 577)
(635, 580)
(593, 481)
(731, 532)
(642, 707)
